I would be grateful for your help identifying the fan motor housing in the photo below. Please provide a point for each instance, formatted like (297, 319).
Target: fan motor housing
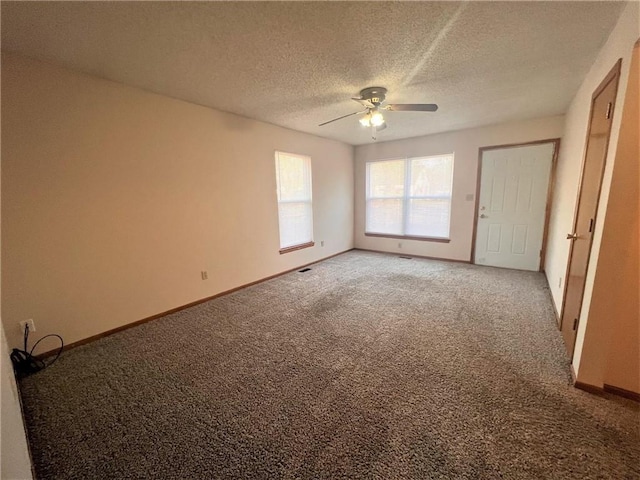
(375, 95)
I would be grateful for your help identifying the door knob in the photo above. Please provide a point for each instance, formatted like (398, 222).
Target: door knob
(572, 236)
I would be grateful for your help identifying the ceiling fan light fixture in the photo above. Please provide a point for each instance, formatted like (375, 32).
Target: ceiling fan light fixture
(366, 120)
(372, 99)
(376, 119)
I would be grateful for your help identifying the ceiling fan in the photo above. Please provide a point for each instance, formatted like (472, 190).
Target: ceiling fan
(372, 98)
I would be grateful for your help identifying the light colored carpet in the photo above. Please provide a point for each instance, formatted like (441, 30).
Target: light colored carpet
(367, 366)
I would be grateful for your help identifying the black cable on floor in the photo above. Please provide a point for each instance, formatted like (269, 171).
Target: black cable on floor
(25, 363)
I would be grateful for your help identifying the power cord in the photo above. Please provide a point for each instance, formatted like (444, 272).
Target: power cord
(24, 363)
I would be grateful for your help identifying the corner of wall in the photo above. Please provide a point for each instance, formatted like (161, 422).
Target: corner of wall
(15, 461)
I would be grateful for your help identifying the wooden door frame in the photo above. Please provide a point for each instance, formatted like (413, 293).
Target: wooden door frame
(614, 73)
(547, 213)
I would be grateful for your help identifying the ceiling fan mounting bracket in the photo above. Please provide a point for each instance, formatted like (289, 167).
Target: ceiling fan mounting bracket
(375, 95)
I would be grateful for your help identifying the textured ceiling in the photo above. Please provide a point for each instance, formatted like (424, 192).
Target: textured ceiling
(296, 64)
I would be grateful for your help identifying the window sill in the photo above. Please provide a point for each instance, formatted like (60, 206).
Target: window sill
(409, 237)
(296, 247)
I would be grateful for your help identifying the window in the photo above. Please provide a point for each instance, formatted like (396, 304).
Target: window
(410, 197)
(295, 212)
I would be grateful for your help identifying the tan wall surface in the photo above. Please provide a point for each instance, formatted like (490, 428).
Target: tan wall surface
(619, 45)
(464, 144)
(114, 200)
(616, 291)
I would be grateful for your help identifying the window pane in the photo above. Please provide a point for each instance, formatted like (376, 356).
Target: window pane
(384, 216)
(386, 179)
(431, 176)
(295, 211)
(295, 227)
(294, 177)
(428, 217)
(422, 209)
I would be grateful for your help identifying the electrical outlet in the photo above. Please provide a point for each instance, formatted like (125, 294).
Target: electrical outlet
(204, 274)
(322, 243)
(32, 325)
(560, 282)
(399, 244)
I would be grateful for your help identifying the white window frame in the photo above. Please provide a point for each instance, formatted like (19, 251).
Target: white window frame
(406, 198)
(304, 243)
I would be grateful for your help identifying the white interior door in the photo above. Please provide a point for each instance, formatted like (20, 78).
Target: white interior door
(513, 197)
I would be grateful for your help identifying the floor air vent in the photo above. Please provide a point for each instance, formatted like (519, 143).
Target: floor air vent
(304, 270)
(402, 256)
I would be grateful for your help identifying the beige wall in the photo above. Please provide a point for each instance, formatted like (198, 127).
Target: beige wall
(619, 261)
(114, 200)
(618, 45)
(464, 144)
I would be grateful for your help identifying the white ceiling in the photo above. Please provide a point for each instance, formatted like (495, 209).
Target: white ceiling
(296, 64)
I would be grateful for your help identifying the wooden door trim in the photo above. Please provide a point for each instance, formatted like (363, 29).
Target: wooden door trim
(603, 84)
(552, 179)
(613, 75)
(547, 212)
(472, 257)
